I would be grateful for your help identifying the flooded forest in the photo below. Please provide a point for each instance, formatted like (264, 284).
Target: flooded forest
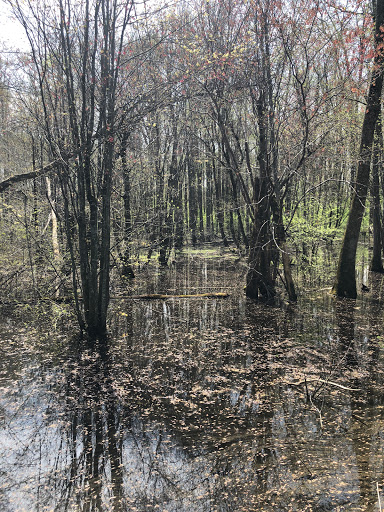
(191, 248)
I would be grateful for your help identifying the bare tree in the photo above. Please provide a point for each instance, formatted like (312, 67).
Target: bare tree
(77, 50)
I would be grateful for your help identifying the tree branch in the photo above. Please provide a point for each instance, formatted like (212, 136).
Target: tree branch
(27, 176)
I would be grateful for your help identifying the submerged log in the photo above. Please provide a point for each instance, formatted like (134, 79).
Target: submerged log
(220, 295)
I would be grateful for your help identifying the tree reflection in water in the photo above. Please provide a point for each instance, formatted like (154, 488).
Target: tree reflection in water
(197, 406)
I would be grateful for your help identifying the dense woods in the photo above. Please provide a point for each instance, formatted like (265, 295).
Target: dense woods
(131, 130)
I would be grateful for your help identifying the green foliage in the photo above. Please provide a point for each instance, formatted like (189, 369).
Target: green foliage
(314, 227)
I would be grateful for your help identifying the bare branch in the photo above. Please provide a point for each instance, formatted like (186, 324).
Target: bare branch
(27, 175)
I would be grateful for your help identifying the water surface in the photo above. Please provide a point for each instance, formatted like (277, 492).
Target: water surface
(197, 405)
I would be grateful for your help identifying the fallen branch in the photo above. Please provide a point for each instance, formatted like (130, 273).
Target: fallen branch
(300, 382)
(338, 385)
(27, 175)
(151, 296)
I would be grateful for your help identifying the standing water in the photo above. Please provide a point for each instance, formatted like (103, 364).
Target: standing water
(198, 404)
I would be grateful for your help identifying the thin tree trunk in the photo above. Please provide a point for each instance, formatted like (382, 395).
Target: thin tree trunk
(127, 270)
(218, 200)
(192, 213)
(55, 238)
(199, 176)
(208, 201)
(54, 235)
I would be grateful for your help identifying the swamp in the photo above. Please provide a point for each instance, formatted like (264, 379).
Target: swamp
(197, 404)
(191, 256)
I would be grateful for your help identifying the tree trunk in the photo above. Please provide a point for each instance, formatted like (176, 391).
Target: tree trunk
(259, 276)
(376, 261)
(209, 204)
(345, 284)
(192, 200)
(127, 270)
(174, 220)
(55, 238)
(219, 207)
(199, 176)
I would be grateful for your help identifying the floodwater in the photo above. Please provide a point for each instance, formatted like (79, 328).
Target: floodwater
(199, 404)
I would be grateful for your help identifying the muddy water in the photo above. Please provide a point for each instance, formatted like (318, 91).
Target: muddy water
(197, 405)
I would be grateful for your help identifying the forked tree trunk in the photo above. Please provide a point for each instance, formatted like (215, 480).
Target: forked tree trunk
(345, 284)
(259, 275)
(282, 246)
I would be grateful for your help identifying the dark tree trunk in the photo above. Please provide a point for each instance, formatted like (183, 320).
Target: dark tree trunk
(345, 284)
(192, 199)
(233, 230)
(199, 176)
(127, 270)
(219, 201)
(259, 276)
(208, 201)
(175, 207)
(376, 261)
